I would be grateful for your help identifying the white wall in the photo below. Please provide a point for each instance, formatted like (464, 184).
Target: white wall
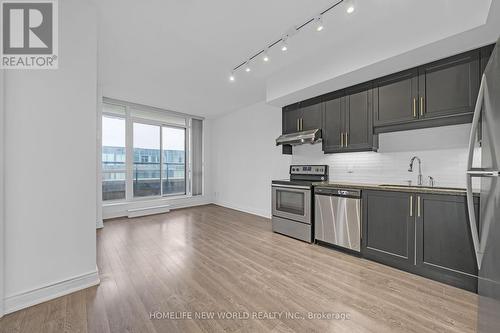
(245, 159)
(50, 168)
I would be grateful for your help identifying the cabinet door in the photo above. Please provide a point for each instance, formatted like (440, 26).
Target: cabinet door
(395, 98)
(311, 114)
(445, 251)
(333, 124)
(291, 118)
(359, 119)
(485, 56)
(388, 228)
(449, 86)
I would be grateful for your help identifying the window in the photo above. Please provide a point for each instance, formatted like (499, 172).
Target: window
(113, 158)
(174, 160)
(154, 156)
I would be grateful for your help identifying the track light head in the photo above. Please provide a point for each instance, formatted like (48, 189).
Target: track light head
(232, 77)
(284, 43)
(247, 66)
(318, 21)
(265, 56)
(350, 6)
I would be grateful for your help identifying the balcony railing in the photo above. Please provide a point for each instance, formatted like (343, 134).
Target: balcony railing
(146, 180)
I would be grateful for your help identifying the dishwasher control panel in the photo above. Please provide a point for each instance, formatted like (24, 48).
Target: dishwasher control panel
(339, 192)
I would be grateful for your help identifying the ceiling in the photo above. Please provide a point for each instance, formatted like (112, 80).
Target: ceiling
(177, 54)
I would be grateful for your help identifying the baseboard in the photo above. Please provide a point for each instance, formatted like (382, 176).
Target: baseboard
(138, 212)
(254, 211)
(40, 295)
(112, 211)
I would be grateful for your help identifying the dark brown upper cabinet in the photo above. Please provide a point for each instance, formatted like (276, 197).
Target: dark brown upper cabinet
(303, 116)
(311, 114)
(359, 119)
(291, 118)
(449, 87)
(348, 121)
(333, 122)
(395, 98)
(441, 93)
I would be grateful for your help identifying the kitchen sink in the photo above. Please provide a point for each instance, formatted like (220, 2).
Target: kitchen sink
(423, 187)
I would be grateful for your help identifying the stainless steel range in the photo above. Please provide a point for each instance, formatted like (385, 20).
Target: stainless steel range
(292, 201)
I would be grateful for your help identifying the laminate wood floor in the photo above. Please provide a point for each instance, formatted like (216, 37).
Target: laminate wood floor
(159, 272)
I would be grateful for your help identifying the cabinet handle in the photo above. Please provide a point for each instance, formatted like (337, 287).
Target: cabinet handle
(301, 124)
(298, 124)
(418, 206)
(346, 144)
(341, 139)
(411, 205)
(421, 106)
(414, 107)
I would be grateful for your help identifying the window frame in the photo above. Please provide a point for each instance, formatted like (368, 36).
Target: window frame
(129, 148)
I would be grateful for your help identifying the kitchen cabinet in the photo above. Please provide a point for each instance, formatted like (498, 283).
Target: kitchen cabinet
(291, 118)
(359, 119)
(388, 228)
(485, 56)
(450, 86)
(333, 123)
(426, 234)
(348, 121)
(303, 116)
(440, 93)
(395, 98)
(311, 114)
(444, 249)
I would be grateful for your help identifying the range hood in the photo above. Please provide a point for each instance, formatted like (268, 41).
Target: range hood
(299, 138)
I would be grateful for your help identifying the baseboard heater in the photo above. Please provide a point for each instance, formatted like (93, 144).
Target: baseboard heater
(143, 211)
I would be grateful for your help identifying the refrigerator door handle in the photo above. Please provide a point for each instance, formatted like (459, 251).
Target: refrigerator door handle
(470, 158)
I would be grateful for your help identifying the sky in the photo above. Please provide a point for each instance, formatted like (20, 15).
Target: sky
(145, 136)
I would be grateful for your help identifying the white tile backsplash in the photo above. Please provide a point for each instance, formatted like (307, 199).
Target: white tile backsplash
(443, 151)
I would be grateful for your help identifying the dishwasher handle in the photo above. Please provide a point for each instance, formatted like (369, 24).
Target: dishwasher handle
(338, 192)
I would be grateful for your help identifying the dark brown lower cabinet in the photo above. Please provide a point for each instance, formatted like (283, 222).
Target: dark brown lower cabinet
(425, 234)
(387, 234)
(444, 250)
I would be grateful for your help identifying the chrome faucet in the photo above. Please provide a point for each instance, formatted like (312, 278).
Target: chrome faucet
(410, 169)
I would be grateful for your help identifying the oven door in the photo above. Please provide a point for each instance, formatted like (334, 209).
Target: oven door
(292, 202)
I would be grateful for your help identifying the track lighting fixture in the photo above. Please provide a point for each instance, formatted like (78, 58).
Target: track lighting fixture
(348, 5)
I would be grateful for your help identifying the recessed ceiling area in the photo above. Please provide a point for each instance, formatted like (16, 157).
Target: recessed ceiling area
(178, 54)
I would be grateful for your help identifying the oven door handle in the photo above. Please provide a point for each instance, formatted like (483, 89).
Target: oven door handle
(292, 186)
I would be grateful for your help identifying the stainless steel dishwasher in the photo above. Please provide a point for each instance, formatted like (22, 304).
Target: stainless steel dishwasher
(337, 217)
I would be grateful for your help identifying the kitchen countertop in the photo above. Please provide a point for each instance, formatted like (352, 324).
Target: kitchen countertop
(397, 188)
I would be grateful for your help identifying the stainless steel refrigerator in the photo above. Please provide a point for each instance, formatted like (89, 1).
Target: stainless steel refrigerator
(485, 174)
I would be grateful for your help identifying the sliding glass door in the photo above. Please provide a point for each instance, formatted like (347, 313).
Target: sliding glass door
(174, 160)
(146, 173)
